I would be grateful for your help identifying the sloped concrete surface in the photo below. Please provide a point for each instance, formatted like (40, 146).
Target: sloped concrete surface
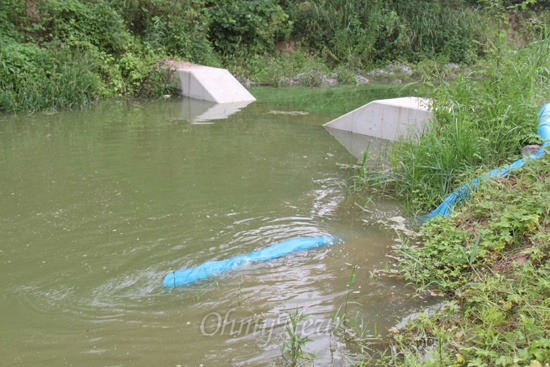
(211, 84)
(389, 119)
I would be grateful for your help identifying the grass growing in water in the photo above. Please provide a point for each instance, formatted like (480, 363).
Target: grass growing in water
(331, 101)
(294, 343)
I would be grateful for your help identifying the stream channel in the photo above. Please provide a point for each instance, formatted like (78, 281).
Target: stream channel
(97, 206)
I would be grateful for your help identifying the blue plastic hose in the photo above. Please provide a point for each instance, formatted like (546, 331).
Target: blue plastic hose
(212, 268)
(463, 192)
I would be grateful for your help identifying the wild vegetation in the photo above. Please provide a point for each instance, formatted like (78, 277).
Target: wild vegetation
(491, 261)
(56, 54)
(483, 118)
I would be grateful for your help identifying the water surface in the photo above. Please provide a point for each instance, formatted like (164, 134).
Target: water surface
(97, 206)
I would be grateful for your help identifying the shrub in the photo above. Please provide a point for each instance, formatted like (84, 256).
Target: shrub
(176, 29)
(181, 38)
(72, 21)
(249, 26)
(34, 78)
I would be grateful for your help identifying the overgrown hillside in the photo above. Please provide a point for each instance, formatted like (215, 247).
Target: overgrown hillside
(65, 53)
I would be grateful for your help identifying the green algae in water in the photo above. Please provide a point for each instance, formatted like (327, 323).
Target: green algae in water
(330, 101)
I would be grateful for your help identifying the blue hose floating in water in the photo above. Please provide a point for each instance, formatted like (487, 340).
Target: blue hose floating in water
(211, 268)
(463, 192)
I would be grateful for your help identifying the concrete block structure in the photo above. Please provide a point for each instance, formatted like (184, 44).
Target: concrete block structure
(211, 84)
(389, 119)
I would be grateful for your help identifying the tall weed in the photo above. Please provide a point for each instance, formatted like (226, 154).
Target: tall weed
(483, 118)
(33, 78)
(363, 33)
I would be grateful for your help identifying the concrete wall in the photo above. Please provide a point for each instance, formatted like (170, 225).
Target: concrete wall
(211, 84)
(388, 119)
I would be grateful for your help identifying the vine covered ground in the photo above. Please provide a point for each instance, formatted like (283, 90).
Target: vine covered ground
(491, 261)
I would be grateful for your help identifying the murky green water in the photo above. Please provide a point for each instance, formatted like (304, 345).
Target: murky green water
(97, 206)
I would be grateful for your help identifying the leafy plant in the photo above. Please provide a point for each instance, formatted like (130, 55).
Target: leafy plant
(250, 26)
(294, 343)
(73, 21)
(491, 258)
(32, 78)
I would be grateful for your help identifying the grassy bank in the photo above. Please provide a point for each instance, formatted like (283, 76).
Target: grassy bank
(482, 119)
(491, 261)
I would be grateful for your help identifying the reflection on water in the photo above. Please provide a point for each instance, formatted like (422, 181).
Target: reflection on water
(97, 206)
(362, 146)
(200, 112)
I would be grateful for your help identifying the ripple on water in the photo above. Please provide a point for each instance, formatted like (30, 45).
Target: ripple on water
(95, 216)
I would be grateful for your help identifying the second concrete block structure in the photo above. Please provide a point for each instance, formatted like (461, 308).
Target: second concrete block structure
(389, 119)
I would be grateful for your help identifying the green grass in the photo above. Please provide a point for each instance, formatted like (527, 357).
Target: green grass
(293, 347)
(491, 260)
(331, 101)
(36, 79)
(482, 120)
